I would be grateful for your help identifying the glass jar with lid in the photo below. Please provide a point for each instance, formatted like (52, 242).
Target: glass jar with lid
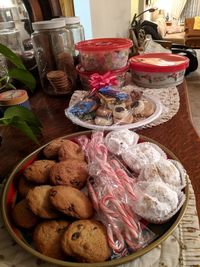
(75, 31)
(10, 37)
(54, 57)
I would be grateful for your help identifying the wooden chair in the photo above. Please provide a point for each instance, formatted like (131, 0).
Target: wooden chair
(192, 37)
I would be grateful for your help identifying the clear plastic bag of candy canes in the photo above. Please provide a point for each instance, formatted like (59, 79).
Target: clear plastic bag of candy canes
(110, 187)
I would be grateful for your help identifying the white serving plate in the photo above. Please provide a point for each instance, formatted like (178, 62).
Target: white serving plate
(143, 122)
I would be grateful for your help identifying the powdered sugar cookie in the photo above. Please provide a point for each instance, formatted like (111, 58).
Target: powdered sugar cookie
(140, 155)
(119, 141)
(161, 171)
(156, 202)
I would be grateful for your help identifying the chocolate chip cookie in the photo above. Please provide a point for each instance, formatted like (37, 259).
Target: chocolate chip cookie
(47, 238)
(51, 150)
(38, 171)
(70, 172)
(24, 186)
(86, 240)
(39, 203)
(70, 150)
(71, 201)
(23, 216)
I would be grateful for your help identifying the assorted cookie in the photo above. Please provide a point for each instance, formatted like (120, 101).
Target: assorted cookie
(53, 193)
(71, 172)
(156, 202)
(70, 150)
(23, 216)
(39, 203)
(119, 141)
(24, 186)
(38, 171)
(51, 150)
(162, 171)
(87, 241)
(59, 81)
(142, 154)
(71, 202)
(47, 235)
(110, 106)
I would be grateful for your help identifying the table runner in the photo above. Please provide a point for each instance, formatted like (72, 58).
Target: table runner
(180, 249)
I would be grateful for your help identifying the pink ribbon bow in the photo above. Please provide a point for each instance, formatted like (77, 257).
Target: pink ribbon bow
(98, 81)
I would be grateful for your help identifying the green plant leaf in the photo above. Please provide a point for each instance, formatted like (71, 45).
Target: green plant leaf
(23, 76)
(24, 120)
(9, 54)
(24, 128)
(24, 113)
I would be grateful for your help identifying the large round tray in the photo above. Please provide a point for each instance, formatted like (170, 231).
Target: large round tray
(140, 123)
(22, 237)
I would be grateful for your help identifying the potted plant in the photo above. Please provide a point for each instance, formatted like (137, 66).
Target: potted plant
(18, 116)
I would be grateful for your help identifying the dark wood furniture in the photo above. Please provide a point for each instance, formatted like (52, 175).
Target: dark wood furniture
(178, 135)
(43, 9)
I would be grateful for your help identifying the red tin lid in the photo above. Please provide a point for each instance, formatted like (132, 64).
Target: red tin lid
(159, 62)
(104, 44)
(13, 97)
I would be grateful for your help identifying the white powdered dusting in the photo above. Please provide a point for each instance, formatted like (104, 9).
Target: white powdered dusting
(155, 201)
(161, 171)
(119, 141)
(140, 155)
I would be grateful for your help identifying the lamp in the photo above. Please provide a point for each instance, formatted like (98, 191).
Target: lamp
(151, 10)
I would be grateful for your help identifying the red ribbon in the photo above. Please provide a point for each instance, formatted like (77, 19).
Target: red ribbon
(98, 81)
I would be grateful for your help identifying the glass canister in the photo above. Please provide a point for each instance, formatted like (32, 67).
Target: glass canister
(75, 31)
(54, 57)
(10, 37)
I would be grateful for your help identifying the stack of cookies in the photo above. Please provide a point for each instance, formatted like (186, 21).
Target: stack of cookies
(54, 207)
(59, 81)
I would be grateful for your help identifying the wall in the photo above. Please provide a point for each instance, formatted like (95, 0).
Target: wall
(110, 18)
(134, 7)
(82, 9)
(105, 18)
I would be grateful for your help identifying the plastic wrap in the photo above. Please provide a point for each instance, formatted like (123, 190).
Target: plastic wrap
(110, 187)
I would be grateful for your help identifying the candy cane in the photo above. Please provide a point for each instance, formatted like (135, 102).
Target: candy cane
(115, 183)
(93, 196)
(119, 244)
(127, 181)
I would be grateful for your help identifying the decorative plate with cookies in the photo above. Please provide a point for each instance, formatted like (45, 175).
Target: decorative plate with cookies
(112, 108)
(95, 198)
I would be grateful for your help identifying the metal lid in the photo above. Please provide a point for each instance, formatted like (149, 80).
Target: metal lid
(48, 24)
(7, 25)
(13, 97)
(72, 20)
(69, 20)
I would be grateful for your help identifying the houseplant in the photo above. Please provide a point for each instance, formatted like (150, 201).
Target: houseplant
(18, 116)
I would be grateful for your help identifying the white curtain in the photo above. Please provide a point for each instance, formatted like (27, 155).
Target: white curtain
(191, 9)
(177, 8)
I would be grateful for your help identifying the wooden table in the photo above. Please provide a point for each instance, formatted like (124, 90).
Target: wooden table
(178, 135)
